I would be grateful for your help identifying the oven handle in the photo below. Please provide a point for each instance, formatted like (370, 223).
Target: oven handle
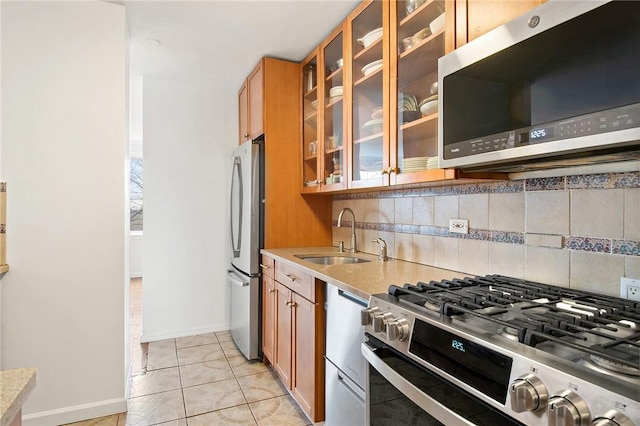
(421, 399)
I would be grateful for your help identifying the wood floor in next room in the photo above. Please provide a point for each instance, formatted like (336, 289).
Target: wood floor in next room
(201, 380)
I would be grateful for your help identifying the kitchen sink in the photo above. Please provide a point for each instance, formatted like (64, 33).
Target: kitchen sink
(331, 259)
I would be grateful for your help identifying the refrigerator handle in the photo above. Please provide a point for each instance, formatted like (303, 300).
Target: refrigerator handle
(233, 279)
(236, 240)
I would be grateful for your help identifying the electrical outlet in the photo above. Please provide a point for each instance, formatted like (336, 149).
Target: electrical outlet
(630, 288)
(459, 226)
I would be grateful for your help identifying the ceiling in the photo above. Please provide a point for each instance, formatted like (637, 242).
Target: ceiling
(221, 41)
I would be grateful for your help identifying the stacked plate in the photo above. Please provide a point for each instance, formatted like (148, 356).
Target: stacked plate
(413, 164)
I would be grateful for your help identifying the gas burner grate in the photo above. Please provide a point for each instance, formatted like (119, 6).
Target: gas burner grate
(594, 324)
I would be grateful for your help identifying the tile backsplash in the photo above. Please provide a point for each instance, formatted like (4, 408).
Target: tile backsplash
(575, 231)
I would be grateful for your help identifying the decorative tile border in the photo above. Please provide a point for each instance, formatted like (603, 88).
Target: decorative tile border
(594, 181)
(597, 181)
(507, 237)
(545, 184)
(629, 248)
(596, 245)
(600, 245)
(626, 180)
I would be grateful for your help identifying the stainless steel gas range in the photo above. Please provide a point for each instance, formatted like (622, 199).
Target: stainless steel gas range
(496, 350)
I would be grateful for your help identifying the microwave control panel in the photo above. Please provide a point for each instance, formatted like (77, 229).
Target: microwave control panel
(589, 124)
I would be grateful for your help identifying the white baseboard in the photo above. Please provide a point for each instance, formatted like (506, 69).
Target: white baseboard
(152, 337)
(75, 413)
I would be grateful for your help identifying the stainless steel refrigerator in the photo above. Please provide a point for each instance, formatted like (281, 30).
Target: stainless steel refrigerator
(246, 224)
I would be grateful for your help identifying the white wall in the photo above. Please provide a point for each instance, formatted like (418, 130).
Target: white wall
(64, 145)
(136, 258)
(189, 133)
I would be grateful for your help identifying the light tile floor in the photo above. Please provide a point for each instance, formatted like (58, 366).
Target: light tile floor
(201, 380)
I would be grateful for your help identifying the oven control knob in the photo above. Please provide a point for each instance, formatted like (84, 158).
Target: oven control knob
(380, 321)
(568, 409)
(612, 418)
(397, 329)
(528, 393)
(366, 315)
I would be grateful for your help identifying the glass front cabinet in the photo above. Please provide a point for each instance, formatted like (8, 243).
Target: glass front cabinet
(370, 98)
(324, 120)
(368, 48)
(311, 172)
(417, 41)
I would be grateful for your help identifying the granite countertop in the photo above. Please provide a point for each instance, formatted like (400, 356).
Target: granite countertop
(16, 385)
(361, 279)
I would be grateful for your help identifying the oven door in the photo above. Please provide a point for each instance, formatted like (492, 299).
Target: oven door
(401, 392)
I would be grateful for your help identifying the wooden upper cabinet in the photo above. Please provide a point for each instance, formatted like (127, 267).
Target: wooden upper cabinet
(250, 104)
(256, 116)
(476, 17)
(243, 113)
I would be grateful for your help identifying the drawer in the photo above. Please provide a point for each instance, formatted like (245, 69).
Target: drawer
(296, 280)
(267, 266)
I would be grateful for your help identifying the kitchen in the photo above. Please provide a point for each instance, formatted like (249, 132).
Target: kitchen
(172, 101)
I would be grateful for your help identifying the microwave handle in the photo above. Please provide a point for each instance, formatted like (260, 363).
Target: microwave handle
(421, 399)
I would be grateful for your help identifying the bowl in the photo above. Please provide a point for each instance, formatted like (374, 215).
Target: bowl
(335, 66)
(437, 24)
(429, 106)
(377, 113)
(370, 37)
(373, 126)
(335, 91)
(314, 104)
(372, 67)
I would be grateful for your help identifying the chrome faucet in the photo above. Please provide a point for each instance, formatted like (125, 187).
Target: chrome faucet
(353, 248)
(382, 249)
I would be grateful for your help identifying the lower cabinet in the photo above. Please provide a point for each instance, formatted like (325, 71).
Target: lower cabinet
(297, 326)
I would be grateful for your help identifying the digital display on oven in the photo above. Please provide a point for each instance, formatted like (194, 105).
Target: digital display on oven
(484, 369)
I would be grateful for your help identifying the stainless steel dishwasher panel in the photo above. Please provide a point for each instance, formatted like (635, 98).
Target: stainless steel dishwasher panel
(345, 399)
(345, 334)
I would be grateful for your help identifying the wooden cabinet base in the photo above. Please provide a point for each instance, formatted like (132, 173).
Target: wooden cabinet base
(293, 337)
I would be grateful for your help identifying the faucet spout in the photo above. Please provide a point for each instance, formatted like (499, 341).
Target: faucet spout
(382, 249)
(354, 247)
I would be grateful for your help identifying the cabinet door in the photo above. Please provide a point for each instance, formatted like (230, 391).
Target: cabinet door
(333, 117)
(255, 102)
(417, 41)
(476, 17)
(268, 317)
(367, 29)
(283, 347)
(308, 383)
(311, 174)
(243, 113)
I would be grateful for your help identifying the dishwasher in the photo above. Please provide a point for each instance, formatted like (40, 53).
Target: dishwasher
(345, 366)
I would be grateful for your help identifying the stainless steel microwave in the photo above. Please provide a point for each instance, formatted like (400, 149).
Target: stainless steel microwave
(557, 86)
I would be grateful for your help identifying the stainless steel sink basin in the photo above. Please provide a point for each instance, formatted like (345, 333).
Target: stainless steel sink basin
(331, 259)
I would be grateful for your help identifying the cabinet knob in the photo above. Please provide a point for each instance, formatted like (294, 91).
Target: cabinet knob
(245, 135)
(384, 171)
(271, 290)
(393, 170)
(290, 303)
